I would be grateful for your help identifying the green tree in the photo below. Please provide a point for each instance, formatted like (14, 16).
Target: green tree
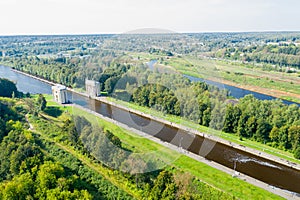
(47, 177)
(7, 88)
(206, 117)
(294, 136)
(164, 187)
(297, 153)
(21, 187)
(41, 102)
(263, 131)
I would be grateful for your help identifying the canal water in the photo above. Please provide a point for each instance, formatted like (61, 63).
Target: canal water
(24, 83)
(262, 169)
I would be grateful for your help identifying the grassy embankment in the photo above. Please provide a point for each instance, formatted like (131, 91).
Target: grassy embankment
(55, 114)
(207, 174)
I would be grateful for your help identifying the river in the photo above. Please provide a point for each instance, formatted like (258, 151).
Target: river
(238, 92)
(268, 171)
(233, 91)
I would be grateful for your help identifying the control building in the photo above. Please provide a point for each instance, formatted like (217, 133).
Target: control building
(92, 88)
(59, 93)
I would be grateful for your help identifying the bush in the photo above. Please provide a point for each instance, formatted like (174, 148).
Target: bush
(297, 153)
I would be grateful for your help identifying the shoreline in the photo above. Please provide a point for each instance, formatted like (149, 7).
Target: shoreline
(34, 77)
(268, 92)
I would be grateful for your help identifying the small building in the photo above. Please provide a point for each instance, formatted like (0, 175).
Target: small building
(59, 93)
(92, 88)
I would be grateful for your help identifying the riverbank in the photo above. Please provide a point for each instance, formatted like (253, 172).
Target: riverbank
(234, 82)
(288, 96)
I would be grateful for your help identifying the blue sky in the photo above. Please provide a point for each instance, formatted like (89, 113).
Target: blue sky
(118, 16)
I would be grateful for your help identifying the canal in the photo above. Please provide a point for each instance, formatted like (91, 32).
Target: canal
(266, 170)
(24, 83)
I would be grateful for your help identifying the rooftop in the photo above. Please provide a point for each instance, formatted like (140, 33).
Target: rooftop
(59, 87)
(90, 82)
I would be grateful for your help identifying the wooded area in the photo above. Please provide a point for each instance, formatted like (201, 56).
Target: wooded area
(33, 166)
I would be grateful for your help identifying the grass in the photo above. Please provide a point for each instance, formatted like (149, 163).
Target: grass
(133, 141)
(115, 178)
(225, 182)
(205, 173)
(105, 172)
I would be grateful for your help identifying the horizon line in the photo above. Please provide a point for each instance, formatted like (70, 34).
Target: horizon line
(145, 33)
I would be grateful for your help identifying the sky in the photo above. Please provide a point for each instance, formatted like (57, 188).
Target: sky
(18, 17)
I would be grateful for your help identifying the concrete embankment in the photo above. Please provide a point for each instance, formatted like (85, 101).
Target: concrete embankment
(207, 136)
(34, 77)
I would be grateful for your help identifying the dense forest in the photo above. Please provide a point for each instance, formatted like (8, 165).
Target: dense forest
(269, 122)
(28, 172)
